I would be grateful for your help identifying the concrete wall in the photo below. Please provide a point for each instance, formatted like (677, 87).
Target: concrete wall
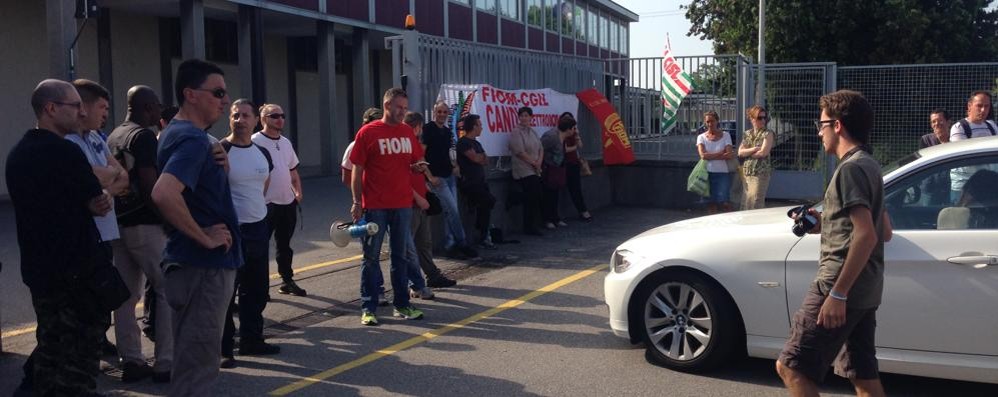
(653, 184)
(25, 52)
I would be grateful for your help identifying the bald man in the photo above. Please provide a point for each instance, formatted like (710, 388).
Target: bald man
(139, 251)
(55, 195)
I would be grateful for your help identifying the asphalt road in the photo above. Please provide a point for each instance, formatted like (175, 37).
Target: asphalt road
(528, 319)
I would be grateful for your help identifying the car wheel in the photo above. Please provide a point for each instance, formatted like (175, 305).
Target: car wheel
(687, 323)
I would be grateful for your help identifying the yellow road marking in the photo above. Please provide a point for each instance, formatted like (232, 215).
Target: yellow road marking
(390, 350)
(29, 329)
(276, 276)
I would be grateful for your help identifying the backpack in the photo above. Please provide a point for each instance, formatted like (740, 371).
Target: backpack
(965, 125)
(132, 201)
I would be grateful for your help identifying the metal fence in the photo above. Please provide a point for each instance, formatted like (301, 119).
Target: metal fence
(903, 96)
(435, 60)
(635, 87)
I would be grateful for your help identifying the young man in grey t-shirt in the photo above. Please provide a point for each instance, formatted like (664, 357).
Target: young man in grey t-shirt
(836, 323)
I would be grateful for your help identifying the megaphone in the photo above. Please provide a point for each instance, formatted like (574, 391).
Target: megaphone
(342, 232)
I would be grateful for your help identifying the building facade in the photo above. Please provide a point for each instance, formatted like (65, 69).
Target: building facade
(324, 61)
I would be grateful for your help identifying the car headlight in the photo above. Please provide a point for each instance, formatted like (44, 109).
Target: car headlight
(622, 260)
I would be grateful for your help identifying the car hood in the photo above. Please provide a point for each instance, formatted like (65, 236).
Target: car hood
(767, 220)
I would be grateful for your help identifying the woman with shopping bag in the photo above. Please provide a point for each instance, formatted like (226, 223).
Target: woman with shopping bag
(715, 148)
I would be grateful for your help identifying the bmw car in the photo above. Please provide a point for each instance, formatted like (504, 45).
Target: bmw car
(700, 292)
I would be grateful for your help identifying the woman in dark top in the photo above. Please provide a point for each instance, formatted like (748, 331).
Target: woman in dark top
(573, 169)
(471, 159)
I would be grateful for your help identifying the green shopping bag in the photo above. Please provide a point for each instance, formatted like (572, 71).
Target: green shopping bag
(699, 181)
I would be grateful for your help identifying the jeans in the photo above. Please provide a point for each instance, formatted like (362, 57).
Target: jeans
(397, 222)
(720, 186)
(453, 228)
(282, 220)
(252, 284)
(481, 199)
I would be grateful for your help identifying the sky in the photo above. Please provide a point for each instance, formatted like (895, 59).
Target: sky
(656, 19)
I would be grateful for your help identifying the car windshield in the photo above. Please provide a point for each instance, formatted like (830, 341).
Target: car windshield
(887, 169)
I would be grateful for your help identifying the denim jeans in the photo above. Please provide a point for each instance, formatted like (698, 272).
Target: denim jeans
(453, 228)
(397, 222)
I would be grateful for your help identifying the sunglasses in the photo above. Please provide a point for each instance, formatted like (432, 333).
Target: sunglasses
(275, 116)
(762, 118)
(217, 92)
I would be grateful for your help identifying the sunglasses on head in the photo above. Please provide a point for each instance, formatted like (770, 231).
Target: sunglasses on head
(217, 92)
(276, 116)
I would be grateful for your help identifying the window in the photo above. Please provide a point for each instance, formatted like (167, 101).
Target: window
(487, 5)
(614, 39)
(465, 2)
(591, 27)
(568, 24)
(580, 23)
(624, 44)
(535, 13)
(509, 8)
(950, 196)
(604, 32)
(551, 17)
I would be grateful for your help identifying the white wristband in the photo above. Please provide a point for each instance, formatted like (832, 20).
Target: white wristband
(836, 296)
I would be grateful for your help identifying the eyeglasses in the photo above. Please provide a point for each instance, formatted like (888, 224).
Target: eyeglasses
(217, 92)
(77, 105)
(819, 124)
(275, 116)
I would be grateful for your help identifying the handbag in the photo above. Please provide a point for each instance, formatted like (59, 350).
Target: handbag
(584, 169)
(699, 181)
(435, 207)
(110, 289)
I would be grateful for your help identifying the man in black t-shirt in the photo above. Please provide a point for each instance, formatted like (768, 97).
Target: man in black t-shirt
(139, 251)
(54, 202)
(439, 141)
(472, 159)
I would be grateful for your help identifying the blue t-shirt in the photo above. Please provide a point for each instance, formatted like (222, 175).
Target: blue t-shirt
(185, 152)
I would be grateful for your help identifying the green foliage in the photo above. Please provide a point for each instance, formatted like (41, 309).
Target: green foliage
(849, 32)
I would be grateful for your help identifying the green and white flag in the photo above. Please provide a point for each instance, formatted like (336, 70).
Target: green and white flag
(676, 85)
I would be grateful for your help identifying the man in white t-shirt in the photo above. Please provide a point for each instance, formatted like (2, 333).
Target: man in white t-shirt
(284, 193)
(249, 176)
(976, 124)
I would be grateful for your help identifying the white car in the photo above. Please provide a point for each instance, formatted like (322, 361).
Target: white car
(704, 290)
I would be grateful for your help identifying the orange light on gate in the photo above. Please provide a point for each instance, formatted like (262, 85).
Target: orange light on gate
(410, 22)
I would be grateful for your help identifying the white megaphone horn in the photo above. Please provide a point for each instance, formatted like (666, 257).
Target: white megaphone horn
(342, 232)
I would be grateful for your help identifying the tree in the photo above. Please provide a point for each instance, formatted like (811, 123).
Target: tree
(870, 32)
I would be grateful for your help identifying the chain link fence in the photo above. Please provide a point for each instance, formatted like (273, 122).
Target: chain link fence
(902, 97)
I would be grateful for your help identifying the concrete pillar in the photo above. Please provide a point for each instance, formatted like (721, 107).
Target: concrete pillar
(192, 29)
(105, 71)
(331, 141)
(251, 60)
(60, 27)
(363, 91)
(412, 69)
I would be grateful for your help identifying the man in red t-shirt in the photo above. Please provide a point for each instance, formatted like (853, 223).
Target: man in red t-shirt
(384, 154)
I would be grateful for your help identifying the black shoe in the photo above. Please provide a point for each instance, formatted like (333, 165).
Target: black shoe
(107, 348)
(161, 377)
(469, 252)
(134, 372)
(290, 288)
(260, 348)
(228, 362)
(440, 282)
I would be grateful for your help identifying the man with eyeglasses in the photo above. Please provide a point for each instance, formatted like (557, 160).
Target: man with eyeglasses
(836, 323)
(55, 202)
(284, 194)
(204, 247)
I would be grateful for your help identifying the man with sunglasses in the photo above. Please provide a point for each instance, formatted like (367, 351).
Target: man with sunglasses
(54, 205)
(284, 192)
(836, 323)
(204, 247)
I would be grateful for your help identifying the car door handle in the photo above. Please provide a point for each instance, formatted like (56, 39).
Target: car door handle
(977, 261)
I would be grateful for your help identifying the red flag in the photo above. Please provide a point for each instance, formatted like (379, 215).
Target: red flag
(616, 146)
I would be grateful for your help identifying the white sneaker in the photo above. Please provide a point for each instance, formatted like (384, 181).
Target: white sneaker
(562, 224)
(549, 226)
(425, 293)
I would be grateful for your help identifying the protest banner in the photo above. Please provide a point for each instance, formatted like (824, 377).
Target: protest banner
(616, 146)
